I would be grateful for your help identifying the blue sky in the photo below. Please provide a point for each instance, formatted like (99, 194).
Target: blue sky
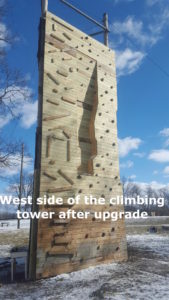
(139, 35)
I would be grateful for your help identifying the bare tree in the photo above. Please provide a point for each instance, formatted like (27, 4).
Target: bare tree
(4, 33)
(132, 190)
(22, 184)
(164, 192)
(27, 186)
(150, 194)
(126, 185)
(7, 152)
(135, 190)
(12, 88)
(123, 181)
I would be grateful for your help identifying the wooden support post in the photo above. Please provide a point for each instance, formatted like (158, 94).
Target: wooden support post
(12, 269)
(106, 32)
(26, 268)
(21, 183)
(44, 4)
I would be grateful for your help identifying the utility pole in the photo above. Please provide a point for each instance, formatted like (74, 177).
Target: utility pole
(44, 6)
(106, 32)
(21, 182)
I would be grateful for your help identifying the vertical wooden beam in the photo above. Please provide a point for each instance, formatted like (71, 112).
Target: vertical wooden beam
(20, 183)
(106, 32)
(44, 5)
(37, 166)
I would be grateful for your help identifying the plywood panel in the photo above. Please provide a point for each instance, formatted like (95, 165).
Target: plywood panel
(78, 151)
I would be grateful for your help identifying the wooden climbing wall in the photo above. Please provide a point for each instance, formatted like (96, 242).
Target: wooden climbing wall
(76, 151)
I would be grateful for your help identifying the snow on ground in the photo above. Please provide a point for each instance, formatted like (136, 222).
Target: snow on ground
(151, 244)
(148, 221)
(140, 226)
(13, 225)
(144, 276)
(5, 250)
(12, 237)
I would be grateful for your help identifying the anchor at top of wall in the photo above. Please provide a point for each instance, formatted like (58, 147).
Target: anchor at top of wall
(104, 26)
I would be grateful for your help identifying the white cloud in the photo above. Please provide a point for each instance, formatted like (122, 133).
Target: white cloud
(26, 111)
(132, 177)
(128, 164)
(139, 154)
(128, 61)
(17, 95)
(153, 184)
(160, 155)
(3, 34)
(22, 108)
(161, 21)
(157, 185)
(15, 166)
(152, 2)
(136, 31)
(5, 120)
(144, 185)
(155, 172)
(166, 170)
(165, 132)
(133, 38)
(29, 114)
(166, 143)
(128, 144)
(133, 29)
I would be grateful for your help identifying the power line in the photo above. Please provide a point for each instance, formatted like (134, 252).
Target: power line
(157, 65)
(152, 60)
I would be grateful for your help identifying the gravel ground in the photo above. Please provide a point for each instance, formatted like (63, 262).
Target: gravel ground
(144, 276)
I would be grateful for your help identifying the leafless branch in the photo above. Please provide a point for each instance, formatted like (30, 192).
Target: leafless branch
(7, 151)
(13, 91)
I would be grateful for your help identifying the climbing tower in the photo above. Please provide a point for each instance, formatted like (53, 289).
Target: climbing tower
(76, 151)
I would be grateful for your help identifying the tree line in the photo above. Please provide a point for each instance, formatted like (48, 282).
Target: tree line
(132, 190)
